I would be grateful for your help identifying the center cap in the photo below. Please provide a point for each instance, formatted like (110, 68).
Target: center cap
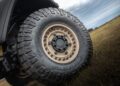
(59, 43)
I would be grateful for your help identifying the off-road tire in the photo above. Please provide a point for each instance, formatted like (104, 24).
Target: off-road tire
(31, 54)
(12, 76)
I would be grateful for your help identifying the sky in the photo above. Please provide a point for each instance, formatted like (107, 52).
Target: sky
(93, 13)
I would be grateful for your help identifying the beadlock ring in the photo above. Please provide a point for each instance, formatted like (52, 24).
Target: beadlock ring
(60, 30)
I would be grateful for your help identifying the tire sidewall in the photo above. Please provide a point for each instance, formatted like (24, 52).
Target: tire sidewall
(42, 57)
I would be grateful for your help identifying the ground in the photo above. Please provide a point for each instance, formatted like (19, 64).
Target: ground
(104, 69)
(105, 63)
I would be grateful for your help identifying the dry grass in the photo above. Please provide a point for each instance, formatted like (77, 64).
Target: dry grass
(3, 83)
(104, 69)
(105, 63)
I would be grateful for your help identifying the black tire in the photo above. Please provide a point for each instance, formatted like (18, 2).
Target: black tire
(31, 54)
(17, 81)
(13, 76)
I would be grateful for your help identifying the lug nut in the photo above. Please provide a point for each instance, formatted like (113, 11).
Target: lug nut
(56, 58)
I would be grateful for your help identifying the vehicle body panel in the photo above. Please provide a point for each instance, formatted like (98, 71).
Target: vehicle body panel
(7, 7)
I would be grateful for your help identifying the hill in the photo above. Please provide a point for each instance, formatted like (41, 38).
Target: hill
(105, 63)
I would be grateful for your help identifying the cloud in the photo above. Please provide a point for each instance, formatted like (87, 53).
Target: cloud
(66, 4)
(103, 15)
(92, 13)
(98, 17)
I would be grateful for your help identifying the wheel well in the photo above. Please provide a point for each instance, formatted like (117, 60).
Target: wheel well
(28, 6)
(23, 8)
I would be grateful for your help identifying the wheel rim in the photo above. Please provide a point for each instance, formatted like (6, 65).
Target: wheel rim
(60, 43)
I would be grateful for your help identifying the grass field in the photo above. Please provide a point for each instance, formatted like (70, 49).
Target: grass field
(105, 63)
(104, 69)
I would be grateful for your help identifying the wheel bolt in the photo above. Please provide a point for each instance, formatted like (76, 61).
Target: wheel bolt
(49, 43)
(66, 53)
(64, 59)
(54, 34)
(55, 58)
(65, 35)
(59, 59)
(55, 53)
(69, 44)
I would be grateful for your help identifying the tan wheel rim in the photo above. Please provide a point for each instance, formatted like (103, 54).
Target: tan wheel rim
(60, 43)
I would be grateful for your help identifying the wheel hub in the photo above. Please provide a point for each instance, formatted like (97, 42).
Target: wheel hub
(60, 43)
